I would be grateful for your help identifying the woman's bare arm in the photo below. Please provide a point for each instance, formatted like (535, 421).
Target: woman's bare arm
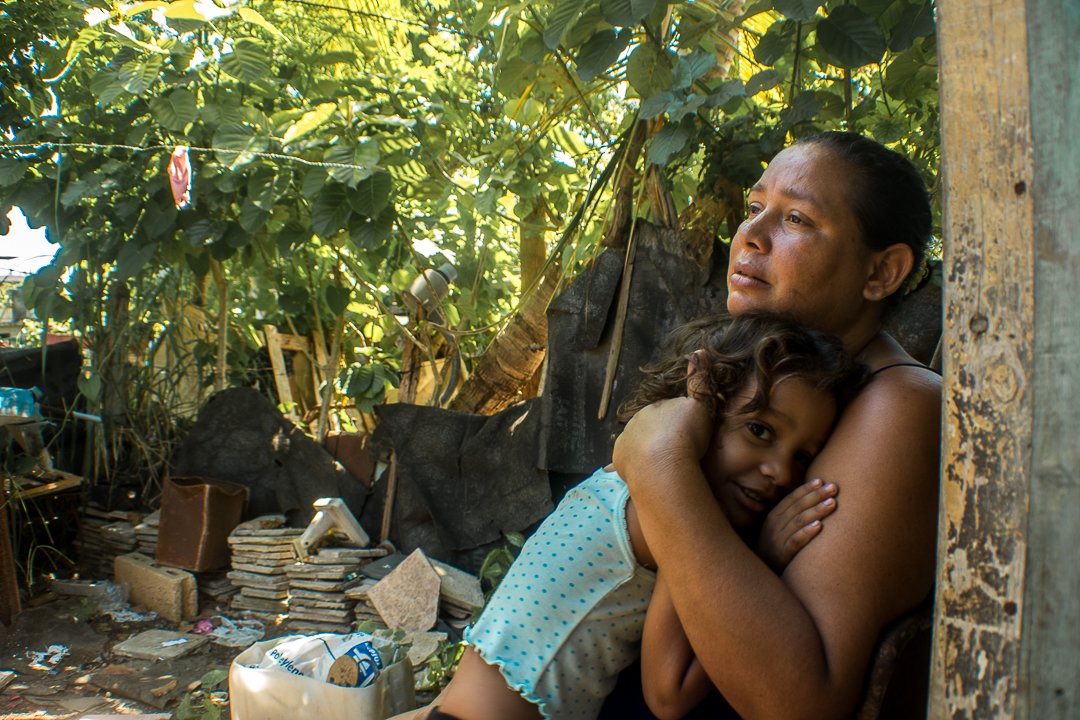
(673, 680)
(812, 632)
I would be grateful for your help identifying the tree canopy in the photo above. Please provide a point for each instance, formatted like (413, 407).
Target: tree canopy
(340, 147)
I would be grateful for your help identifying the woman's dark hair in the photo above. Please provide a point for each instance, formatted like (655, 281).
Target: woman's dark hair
(889, 196)
(767, 348)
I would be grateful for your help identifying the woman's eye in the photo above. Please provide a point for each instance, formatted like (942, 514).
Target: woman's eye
(759, 431)
(793, 218)
(804, 459)
(753, 209)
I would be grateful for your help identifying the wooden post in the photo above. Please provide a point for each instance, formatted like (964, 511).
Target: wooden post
(1007, 628)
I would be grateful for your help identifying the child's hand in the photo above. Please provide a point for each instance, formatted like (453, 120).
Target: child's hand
(794, 522)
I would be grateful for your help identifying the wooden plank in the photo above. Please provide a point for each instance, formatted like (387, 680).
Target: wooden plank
(281, 375)
(294, 343)
(9, 584)
(1050, 646)
(989, 313)
(26, 493)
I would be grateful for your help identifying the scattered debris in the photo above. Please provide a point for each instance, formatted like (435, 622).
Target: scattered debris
(5, 678)
(239, 633)
(163, 644)
(52, 655)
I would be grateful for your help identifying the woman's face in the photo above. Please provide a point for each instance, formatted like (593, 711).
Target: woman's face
(800, 249)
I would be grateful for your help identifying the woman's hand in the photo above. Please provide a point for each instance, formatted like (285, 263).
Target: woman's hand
(794, 522)
(672, 431)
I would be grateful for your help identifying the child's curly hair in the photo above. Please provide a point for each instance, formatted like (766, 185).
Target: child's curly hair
(768, 348)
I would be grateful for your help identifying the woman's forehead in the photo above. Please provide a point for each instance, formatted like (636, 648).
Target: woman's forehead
(810, 173)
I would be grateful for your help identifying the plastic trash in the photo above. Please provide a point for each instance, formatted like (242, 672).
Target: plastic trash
(261, 687)
(52, 655)
(237, 633)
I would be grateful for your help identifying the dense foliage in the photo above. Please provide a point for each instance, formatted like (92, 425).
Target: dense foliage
(341, 146)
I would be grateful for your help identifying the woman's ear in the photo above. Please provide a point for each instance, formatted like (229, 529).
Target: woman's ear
(888, 271)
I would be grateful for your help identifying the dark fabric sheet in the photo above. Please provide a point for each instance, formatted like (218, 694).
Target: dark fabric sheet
(241, 437)
(627, 702)
(463, 480)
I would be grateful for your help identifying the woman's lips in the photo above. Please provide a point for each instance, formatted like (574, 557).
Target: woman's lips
(745, 278)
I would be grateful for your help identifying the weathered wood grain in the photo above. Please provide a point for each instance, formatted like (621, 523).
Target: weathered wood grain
(989, 312)
(1050, 646)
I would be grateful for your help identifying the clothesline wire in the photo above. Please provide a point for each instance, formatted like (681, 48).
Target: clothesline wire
(156, 148)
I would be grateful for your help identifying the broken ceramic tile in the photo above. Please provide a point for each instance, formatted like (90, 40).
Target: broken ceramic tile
(154, 644)
(408, 597)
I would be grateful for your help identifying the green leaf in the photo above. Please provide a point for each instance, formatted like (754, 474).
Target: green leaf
(89, 383)
(515, 538)
(292, 236)
(600, 52)
(916, 22)
(359, 161)
(626, 13)
(850, 37)
(142, 7)
(175, 110)
(199, 264)
(725, 91)
(237, 143)
(889, 130)
(762, 81)
(657, 104)
(692, 67)
(337, 298)
(562, 20)
(213, 678)
(669, 140)
(909, 77)
(314, 180)
(184, 10)
(776, 41)
(805, 107)
(370, 233)
(267, 186)
(330, 212)
(692, 104)
(137, 76)
(11, 171)
(797, 9)
(648, 70)
(252, 217)
(248, 60)
(84, 39)
(310, 122)
(254, 17)
(133, 259)
(106, 86)
(371, 195)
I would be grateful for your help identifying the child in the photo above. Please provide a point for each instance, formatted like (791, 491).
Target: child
(570, 613)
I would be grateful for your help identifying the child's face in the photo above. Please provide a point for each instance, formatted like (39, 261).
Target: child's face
(756, 459)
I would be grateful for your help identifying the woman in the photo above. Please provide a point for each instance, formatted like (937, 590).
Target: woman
(833, 230)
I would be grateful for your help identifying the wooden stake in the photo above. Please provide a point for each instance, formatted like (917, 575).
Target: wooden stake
(620, 325)
(388, 504)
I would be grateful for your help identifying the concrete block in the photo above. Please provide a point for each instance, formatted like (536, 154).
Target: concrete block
(171, 593)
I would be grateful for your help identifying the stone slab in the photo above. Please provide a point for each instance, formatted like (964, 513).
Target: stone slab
(258, 580)
(266, 594)
(322, 585)
(243, 602)
(458, 587)
(306, 571)
(408, 597)
(334, 556)
(423, 645)
(164, 644)
(259, 569)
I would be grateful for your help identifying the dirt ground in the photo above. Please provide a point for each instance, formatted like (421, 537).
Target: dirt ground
(92, 679)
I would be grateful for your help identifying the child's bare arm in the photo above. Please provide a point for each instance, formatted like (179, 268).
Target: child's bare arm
(672, 678)
(794, 522)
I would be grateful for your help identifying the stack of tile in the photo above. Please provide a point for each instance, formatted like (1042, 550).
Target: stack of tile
(317, 589)
(216, 586)
(364, 611)
(259, 557)
(88, 547)
(102, 536)
(146, 533)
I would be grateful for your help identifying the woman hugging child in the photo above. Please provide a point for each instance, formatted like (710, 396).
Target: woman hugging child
(584, 598)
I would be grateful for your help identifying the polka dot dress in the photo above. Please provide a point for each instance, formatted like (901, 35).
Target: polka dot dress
(569, 614)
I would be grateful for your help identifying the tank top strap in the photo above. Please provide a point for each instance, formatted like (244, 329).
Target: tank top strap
(905, 364)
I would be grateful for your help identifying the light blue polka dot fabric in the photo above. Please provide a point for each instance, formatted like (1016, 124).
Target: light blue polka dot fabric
(569, 614)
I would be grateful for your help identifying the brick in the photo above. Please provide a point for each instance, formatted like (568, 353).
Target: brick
(171, 593)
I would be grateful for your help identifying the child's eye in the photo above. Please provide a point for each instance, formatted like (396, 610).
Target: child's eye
(759, 431)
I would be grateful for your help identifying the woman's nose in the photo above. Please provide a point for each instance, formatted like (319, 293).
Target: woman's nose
(756, 233)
